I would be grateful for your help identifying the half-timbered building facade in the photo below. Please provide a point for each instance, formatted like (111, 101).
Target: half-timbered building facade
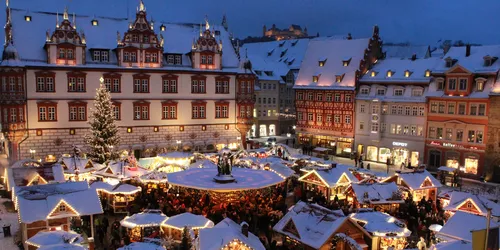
(326, 87)
(170, 83)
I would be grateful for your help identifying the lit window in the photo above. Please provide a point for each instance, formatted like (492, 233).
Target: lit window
(373, 74)
(407, 73)
(389, 73)
(62, 208)
(427, 73)
(27, 18)
(315, 78)
(95, 22)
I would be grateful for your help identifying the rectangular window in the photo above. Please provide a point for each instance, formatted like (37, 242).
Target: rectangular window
(319, 97)
(107, 83)
(472, 136)
(329, 97)
(393, 128)
(104, 56)
(479, 137)
(13, 115)
(420, 130)
(198, 112)
(473, 109)
(12, 84)
(375, 109)
(21, 114)
(439, 133)
(461, 108)
(421, 111)
(170, 59)
(116, 112)
(300, 96)
(141, 112)
(154, 57)
(482, 109)
(62, 54)
(49, 84)
(452, 84)
(440, 85)
(451, 108)
(434, 107)
(413, 130)
(462, 84)
(299, 116)
(347, 98)
(310, 117)
(202, 86)
(460, 135)
(221, 111)
(361, 108)
(77, 113)
(398, 92)
(210, 59)
(406, 129)
(380, 91)
(399, 129)
(178, 60)
(319, 118)
(80, 84)
(365, 91)
(126, 56)
(400, 110)
(414, 111)
(203, 59)
(394, 109)
(97, 55)
(137, 85)
(133, 57)
(336, 119)
(328, 118)
(361, 125)
(441, 108)
(42, 113)
(145, 86)
(169, 111)
(70, 54)
(416, 92)
(71, 84)
(407, 110)
(374, 127)
(383, 127)
(348, 119)
(449, 134)
(432, 132)
(385, 107)
(337, 97)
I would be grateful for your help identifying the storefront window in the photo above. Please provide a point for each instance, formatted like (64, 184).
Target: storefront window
(471, 164)
(371, 153)
(414, 158)
(400, 156)
(384, 154)
(452, 163)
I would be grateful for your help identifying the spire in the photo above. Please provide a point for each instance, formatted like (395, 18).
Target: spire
(65, 13)
(7, 3)
(207, 25)
(224, 22)
(141, 6)
(200, 30)
(74, 21)
(8, 25)
(57, 19)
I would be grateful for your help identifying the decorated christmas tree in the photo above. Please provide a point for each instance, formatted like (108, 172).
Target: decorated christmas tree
(186, 239)
(103, 135)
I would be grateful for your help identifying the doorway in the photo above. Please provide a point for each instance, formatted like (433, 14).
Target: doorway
(434, 158)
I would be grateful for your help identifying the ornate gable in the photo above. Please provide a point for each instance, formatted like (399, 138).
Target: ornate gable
(62, 209)
(427, 183)
(469, 206)
(206, 51)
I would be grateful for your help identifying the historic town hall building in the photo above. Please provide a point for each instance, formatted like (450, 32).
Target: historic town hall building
(173, 85)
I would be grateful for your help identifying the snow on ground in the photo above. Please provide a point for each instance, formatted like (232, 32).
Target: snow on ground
(8, 218)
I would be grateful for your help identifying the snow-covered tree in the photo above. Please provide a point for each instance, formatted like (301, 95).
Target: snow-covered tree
(103, 135)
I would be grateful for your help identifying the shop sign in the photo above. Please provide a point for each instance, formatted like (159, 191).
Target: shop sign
(399, 144)
(451, 145)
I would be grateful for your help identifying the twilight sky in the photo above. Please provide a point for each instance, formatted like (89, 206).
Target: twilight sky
(416, 21)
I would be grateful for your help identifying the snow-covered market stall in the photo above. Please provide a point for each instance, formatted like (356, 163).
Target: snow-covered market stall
(116, 197)
(144, 225)
(174, 225)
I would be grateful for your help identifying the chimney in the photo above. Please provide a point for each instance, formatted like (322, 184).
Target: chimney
(414, 57)
(349, 36)
(244, 228)
(467, 50)
(334, 165)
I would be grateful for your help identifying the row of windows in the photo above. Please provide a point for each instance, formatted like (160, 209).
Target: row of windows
(395, 109)
(141, 85)
(266, 112)
(269, 86)
(12, 84)
(473, 136)
(13, 115)
(100, 56)
(66, 54)
(478, 109)
(132, 57)
(320, 118)
(263, 100)
(174, 59)
(78, 112)
(246, 87)
(462, 84)
(329, 97)
(396, 92)
(405, 129)
(207, 59)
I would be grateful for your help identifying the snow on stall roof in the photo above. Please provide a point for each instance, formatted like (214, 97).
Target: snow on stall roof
(63, 246)
(332, 175)
(35, 203)
(154, 176)
(414, 180)
(205, 163)
(376, 193)
(334, 50)
(272, 51)
(22, 176)
(458, 199)
(452, 245)
(188, 219)
(121, 170)
(223, 233)
(178, 36)
(474, 62)
(74, 164)
(378, 223)
(406, 51)
(398, 67)
(46, 238)
(120, 188)
(148, 218)
(460, 225)
(203, 179)
(314, 223)
(141, 246)
(176, 154)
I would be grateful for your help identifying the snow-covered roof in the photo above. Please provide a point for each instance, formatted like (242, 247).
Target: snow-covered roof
(63, 246)
(154, 176)
(474, 62)
(289, 53)
(377, 193)
(268, 70)
(121, 170)
(148, 218)
(310, 224)
(224, 233)
(406, 51)
(37, 203)
(282, 170)
(176, 155)
(26, 163)
(46, 238)
(401, 71)
(381, 224)
(460, 225)
(23, 176)
(415, 180)
(490, 87)
(452, 245)
(203, 179)
(335, 51)
(204, 163)
(141, 246)
(120, 188)
(188, 220)
(481, 203)
(332, 177)
(71, 165)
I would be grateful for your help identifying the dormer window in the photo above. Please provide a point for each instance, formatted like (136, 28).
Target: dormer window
(346, 62)
(315, 78)
(162, 27)
(390, 73)
(373, 73)
(269, 53)
(27, 18)
(322, 62)
(94, 22)
(440, 84)
(283, 53)
(364, 91)
(408, 73)
(268, 73)
(427, 73)
(398, 92)
(416, 92)
(258, 72)
(450, 61)
(488, 60)
(338, 78)
(380, 91)
(282, 43)
(480, 84)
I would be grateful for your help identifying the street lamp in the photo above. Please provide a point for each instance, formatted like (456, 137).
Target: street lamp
(294, 127)
(32, 153)
(288, 135)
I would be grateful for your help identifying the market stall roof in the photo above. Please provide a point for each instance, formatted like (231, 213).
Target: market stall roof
(148, 218)
(46, 238)
(24, 176)
(312, 224)
(330, 177)
(176, 155)
(188, 220)
(381, 224)
(472, 203)
(223, 234)
(154, 177)
(121, 170)
(282, 170)
(205, 163)
(141, 246)
(377, 193)
(416, 180)
(460, 225)
(63, 246)
(452, 245)
(38, 203)
(74, 164)
(203, 179)
(447, 169)
(377, 174)
(120, 188)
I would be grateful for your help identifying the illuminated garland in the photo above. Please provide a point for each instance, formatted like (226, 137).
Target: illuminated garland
(350, 241)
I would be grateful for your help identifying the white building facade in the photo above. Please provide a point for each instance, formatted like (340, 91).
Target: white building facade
(391, 111)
